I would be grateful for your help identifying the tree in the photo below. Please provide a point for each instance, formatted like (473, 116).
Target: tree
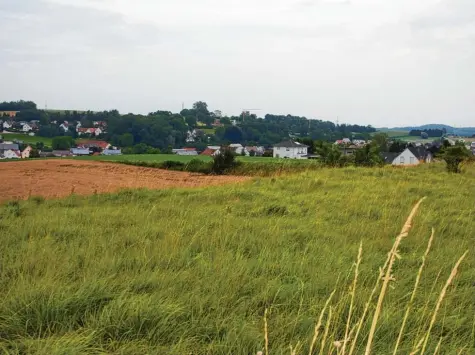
(397, 146)
(191, 121)
(39, 145)
(381, 140)
(34, 153)
(140, 148)
(126, 140)
(233, 134)
(62, 143)
(454, 156)
(329, 153)
(368, 155)
(223, 161)
(201, 107)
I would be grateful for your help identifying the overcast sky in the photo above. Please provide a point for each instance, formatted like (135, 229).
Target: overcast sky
(379, 62)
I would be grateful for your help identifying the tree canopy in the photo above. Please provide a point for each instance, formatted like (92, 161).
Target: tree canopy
(163, 129)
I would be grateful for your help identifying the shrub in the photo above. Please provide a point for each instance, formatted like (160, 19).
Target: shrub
(454, 157)
(172, 165)
(198, 166)
(223, 161)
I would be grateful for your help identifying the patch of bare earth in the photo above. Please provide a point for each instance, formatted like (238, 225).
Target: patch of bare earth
(61, 177)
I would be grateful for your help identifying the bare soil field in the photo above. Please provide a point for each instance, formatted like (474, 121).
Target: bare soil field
(59, 178)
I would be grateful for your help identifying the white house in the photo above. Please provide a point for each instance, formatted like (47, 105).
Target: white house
(291, 150)
(64, 126)
(238, 148)
(7, 125)
(410, 156)
(111, 152)
(11, 154)
(80, 151)
(26, 128)
(26, 152)
(185, 151)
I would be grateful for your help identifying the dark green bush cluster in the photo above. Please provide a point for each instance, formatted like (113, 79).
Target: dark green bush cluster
(224, 161)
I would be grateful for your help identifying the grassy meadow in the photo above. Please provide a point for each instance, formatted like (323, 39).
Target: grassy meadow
(227, 270)
(26, 138)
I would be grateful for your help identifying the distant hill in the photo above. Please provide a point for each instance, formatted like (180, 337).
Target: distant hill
(460, 131)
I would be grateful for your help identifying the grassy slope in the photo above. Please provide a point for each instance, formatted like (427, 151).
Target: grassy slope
(193, 270)
(26, 138)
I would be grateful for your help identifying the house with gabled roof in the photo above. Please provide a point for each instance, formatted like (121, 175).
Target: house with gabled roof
(410, 156)
(291, 150)
(11, 154)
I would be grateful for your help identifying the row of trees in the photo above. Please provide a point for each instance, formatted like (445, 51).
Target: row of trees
(433, 133)
(17, 105)
(161, 129)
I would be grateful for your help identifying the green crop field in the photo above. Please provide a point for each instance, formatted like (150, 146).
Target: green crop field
(26, 138)
(227, 270)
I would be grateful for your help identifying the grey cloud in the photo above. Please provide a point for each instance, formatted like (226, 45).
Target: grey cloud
(446, 14)
(49, 30)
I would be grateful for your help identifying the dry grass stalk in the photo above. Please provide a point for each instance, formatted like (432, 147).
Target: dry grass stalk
(266, 335)
(293, 351)
(319, 323)
(353, 292)
(437, 348)
(421, 328)
(392, 257)
(441, 298)
(416, 285)
(368, 303)
(418, 346)
(327, 327)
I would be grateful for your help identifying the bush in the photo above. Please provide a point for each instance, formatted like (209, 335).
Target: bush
(198, 166)
(34, 153)
(454, 157)
(223, 161)
(173, 165)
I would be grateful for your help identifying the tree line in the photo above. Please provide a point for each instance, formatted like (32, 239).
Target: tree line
(433, 133)
(166, 130)
(17, 105)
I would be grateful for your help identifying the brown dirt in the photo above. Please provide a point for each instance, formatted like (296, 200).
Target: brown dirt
(59, 178)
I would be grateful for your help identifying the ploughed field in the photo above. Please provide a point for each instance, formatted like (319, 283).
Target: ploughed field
(60, 177)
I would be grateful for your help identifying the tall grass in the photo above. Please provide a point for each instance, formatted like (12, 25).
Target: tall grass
(339, 346)
(181, 271)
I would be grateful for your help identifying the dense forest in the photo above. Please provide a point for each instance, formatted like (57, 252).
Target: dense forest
(17, 105)
(166, 130)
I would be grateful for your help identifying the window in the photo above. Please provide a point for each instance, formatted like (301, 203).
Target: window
(401, 160)
(411, 159)
(288, 149)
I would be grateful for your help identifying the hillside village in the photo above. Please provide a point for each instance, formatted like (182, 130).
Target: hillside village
(198, 131)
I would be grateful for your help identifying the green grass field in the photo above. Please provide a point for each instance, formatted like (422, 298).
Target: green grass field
(26, 138)
(394, 133)
(193, 271)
